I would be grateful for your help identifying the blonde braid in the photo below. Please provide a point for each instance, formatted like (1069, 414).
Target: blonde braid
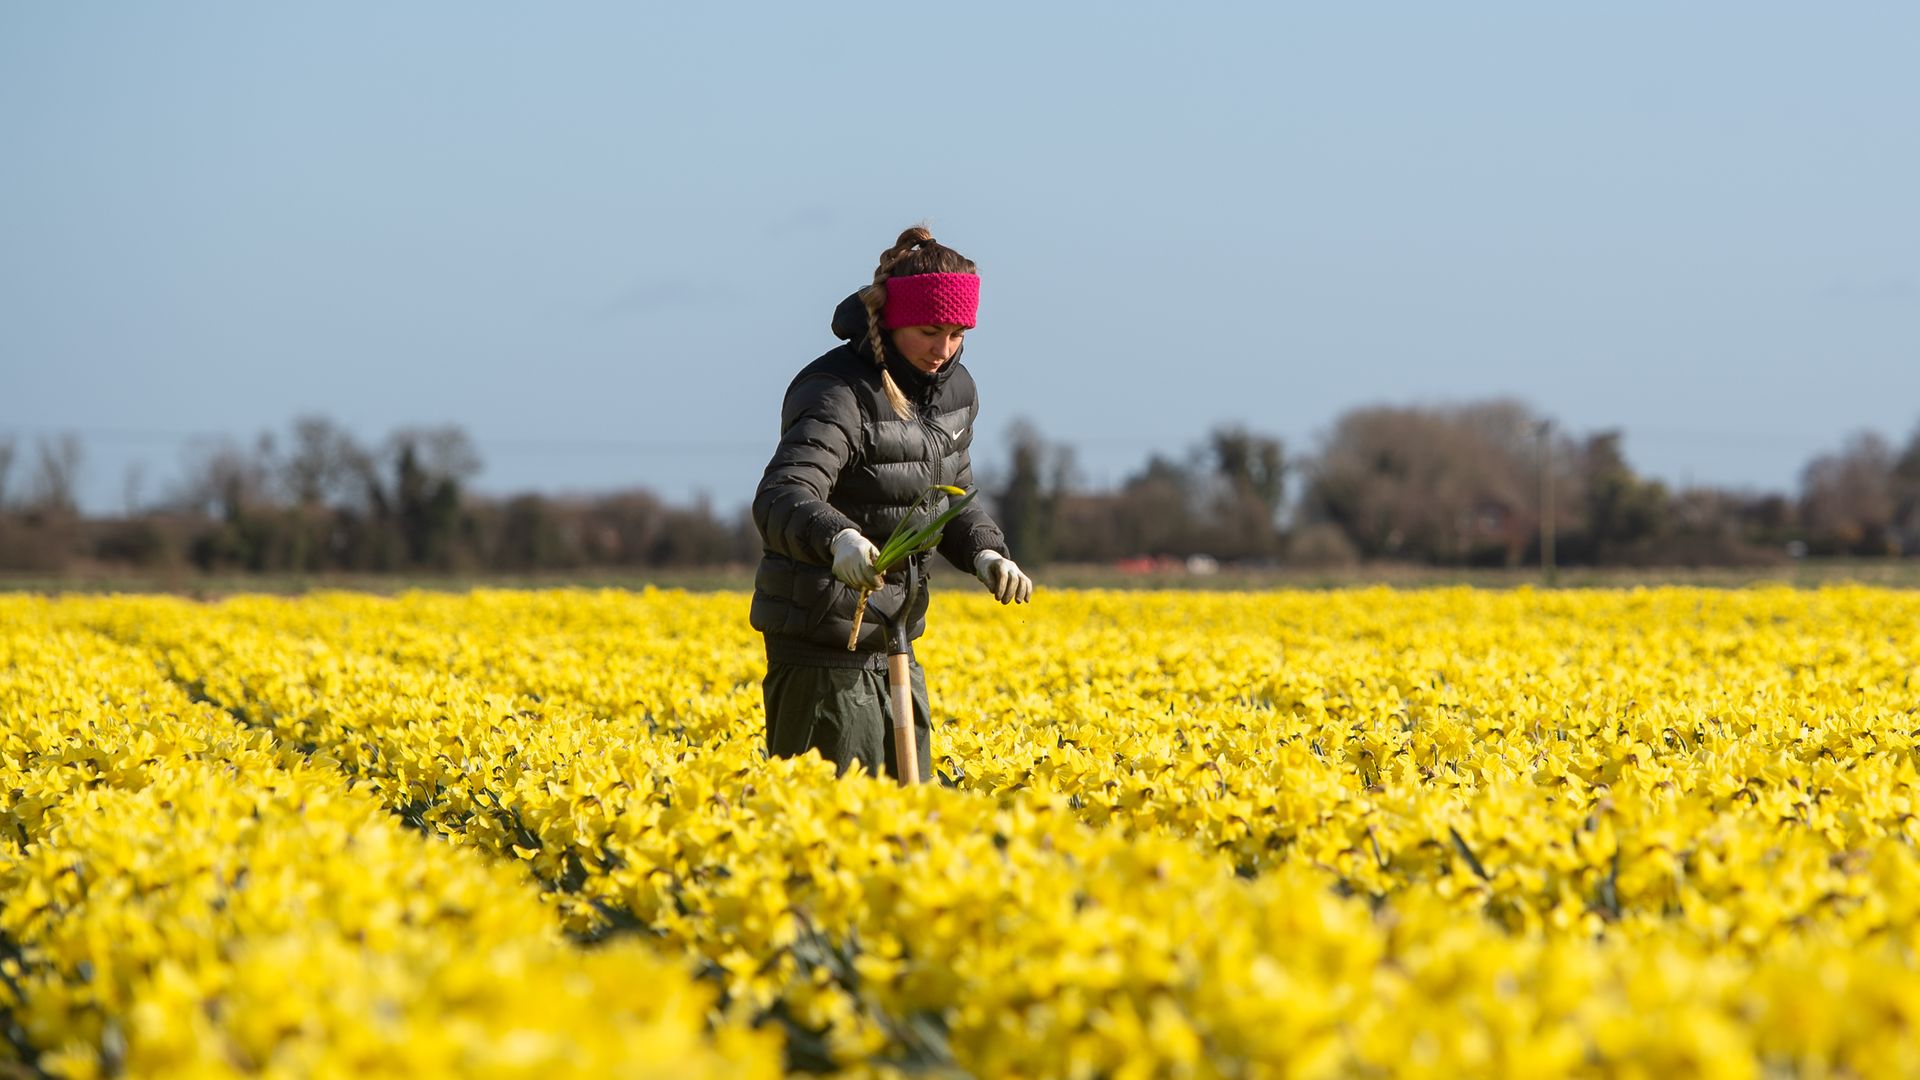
(875, 299)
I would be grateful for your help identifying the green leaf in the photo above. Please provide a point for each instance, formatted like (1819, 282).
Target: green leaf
(923, 539)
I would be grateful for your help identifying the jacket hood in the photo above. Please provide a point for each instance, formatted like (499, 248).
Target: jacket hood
(850, 325)
(850, 319)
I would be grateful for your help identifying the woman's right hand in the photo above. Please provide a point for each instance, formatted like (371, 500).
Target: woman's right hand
(853, 557)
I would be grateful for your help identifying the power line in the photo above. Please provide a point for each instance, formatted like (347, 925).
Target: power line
(1719, 437)
(180, 438)
(576, 445)
(562, 445)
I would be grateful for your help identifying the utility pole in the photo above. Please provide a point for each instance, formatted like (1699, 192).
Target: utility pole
(1544, 429)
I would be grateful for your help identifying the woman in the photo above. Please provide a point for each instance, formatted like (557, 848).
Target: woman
(865, 430)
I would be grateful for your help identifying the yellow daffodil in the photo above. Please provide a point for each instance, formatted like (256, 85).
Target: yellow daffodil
(1651, 832)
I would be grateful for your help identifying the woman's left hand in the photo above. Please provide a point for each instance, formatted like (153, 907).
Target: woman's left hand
(1002, 577)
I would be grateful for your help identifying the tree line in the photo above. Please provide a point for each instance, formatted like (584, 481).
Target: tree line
(1458, 485)
(318, 500)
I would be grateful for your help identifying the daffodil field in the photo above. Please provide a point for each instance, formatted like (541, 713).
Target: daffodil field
(1663, 832)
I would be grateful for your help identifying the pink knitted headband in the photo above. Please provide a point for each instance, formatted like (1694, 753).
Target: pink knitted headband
(932, 299)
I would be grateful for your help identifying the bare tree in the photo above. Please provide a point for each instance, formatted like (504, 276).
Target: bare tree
(1623, 512)
(430, 465)
(1847, 498)
(56, 475)
(322, 464)
(131, 483)
(446, 452)
(1250, 477)
(223, 480)
(6, 467)
(1029, 504)
(1447, 484)
(1906, 495)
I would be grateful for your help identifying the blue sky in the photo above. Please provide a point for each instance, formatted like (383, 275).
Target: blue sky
(601, 237)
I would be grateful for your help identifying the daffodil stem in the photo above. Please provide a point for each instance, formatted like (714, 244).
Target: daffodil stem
(859, 613)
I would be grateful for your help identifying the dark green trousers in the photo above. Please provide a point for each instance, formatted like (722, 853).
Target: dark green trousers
(844, 713)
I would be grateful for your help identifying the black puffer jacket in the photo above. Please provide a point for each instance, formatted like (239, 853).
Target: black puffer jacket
(845, 461)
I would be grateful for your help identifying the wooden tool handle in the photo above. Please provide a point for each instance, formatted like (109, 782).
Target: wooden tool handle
(904, 746)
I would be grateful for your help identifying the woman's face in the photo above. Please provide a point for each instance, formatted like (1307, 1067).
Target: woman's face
(929, 348)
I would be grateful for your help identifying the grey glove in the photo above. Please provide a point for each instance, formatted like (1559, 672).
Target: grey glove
(853, 557)
(1002, 577)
